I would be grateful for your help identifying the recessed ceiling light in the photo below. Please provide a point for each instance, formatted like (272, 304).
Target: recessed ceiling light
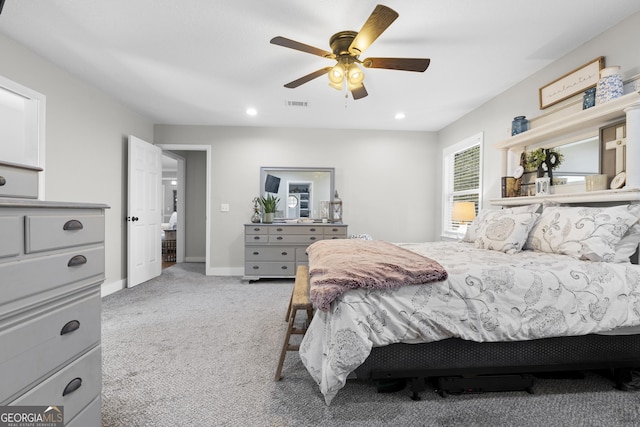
(400, 116)
(252, 111)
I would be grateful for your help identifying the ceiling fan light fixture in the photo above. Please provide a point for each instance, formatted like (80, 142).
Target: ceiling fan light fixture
(355, 76)
(336, 74)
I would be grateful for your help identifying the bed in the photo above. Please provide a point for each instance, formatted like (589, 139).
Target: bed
(529, 289)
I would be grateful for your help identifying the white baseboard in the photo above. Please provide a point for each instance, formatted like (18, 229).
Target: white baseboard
(195, 259)
(110, 288)
(225, 271)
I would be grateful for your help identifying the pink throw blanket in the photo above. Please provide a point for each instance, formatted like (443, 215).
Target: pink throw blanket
(335, 266)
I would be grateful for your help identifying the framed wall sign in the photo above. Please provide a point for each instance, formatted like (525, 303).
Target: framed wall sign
(576, 81)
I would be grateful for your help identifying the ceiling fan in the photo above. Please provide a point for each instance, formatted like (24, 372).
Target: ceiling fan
(346, 48)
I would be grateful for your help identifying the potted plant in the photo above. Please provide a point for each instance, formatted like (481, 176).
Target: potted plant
(269, 204)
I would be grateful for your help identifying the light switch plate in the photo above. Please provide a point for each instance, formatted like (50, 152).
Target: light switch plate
(224, 207)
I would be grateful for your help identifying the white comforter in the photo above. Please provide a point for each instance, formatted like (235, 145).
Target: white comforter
(489, 296)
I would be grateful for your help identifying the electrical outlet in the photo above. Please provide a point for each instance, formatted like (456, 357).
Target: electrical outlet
(224, 207)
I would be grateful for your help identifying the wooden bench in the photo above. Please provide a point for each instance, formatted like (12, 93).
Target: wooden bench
(299, 301)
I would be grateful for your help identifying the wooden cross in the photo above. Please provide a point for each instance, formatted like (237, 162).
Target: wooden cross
(618, 144)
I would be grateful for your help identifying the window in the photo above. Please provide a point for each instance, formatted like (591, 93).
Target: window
(462, 172)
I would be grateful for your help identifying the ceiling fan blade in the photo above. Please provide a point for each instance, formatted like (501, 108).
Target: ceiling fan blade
(404, 64)
(292, 44)
(359, 92)
(304, 79)
(379, 20)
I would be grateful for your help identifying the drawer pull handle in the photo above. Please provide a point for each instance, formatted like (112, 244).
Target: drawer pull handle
(312, 238)
(284, 253)
(73, 385)
(279, 237)
(256, 238)
(335, 229)
(284, 267)
(256, 229)
(77, 260)
(278, 229)
(3, 181)
(312, 229)
(72, 224)
(71, 326)
(256, 253)
(255, 267)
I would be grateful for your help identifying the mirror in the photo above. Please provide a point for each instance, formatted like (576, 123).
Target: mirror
(580, 158)
(300, 190)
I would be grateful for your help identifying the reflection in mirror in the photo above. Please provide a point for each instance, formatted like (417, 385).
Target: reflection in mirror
(580, 159)
(300, 190)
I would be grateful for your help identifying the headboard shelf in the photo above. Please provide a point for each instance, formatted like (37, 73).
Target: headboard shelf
(593, 117)
(627, 194)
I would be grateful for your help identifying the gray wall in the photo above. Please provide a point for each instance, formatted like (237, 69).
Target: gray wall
(386, 180)
(617, 45)
(85, 143)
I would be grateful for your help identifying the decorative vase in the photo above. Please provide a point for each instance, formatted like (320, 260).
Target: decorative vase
(519, 124)
(589, 98)
(610, 85)
(267, 217)
(255, 217)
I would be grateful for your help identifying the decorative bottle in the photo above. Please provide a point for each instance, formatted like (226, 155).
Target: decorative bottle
(519, 124)
(610, 85)
(336, 208)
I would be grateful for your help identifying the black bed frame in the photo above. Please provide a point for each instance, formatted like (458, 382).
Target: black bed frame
(456, 357)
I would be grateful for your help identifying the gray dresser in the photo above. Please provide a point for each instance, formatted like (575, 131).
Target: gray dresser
(276, 250)
(51, 267)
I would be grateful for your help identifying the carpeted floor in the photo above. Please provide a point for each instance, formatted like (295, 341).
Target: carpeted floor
(189, 350)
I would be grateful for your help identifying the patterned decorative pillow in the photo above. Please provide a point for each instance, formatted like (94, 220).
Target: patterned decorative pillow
(582, 232)
(472, 232)
(505, 233)
(628, 245)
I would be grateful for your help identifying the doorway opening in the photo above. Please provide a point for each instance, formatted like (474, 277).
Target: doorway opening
(181, 209)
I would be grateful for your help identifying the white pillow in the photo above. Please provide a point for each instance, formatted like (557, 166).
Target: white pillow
(628, 245)
(472, 232)
(582, 232)
(505, 233)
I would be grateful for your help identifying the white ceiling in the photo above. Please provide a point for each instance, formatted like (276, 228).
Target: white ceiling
(206, 61)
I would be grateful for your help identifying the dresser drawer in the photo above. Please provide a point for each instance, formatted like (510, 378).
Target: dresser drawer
(18, 182)
(295, 229)
(258, 268)
(295, 238)
(335, 231)
(85, 372)
(301, 256)
(11, 232)
(43, 233)
(256, 238)
(259, 253)
(40, 344)
(256, 229)
(27, 277)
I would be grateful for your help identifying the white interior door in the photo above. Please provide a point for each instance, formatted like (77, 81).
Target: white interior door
(144, 212)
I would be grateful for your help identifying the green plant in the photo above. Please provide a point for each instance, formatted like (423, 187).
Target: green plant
(269, 203)
(537, 157)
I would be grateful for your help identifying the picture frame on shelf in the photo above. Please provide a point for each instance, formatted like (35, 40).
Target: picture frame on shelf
(572, 83)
